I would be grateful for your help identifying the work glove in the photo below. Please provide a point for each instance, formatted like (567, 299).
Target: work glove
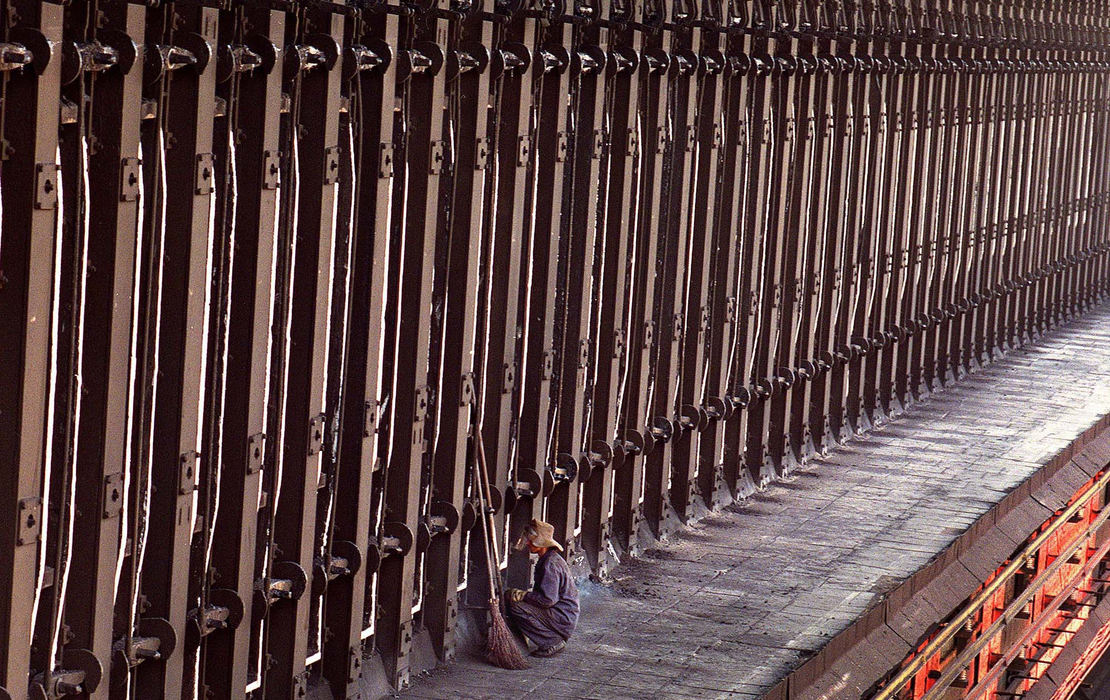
(515, 595)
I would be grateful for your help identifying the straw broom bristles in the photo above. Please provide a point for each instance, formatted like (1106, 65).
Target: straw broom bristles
(501, 646)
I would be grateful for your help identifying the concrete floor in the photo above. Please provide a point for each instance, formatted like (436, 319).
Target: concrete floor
(735, 602)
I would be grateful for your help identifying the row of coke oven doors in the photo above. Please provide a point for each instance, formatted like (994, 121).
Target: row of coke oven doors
(267, 266)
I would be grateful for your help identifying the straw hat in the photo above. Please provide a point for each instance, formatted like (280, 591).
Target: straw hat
(541, 534)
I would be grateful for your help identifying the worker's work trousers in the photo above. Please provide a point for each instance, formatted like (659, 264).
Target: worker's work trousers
(536, 623)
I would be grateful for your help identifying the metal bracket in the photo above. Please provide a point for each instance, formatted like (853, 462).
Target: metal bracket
(187, 472)
(354, 665)
(369, 418)
(206, 180)
(385, 160)
(548, 364)
(113, 495)
(46, 186)
(29, 520)
(583, 353)
(423, 403)
(481, 153)
(509, 381)
(599, 143)
(468, 392)
(256, 451)
(331, 165)
(523, 150)
(316, 434)
(271, 170)
(129, 179)
(438, 158)
(562, 147)
(300, 685)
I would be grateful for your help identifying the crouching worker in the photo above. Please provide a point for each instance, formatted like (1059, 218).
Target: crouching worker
(548, 613)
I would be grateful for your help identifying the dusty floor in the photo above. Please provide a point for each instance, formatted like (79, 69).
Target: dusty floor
(731, 605)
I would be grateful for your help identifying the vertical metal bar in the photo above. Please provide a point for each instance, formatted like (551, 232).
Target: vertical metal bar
(839, 130)
(912, 321)
(370, 65)
(421, 90)
(888, 289)
(785, 444)
(640, 435)
(252, 89)
(756, 219)
(500, 321)
(583, 194)
(29, 172)
(724, 480)
(779, 115)
(541, 370)
(809, 421)
(611, 323)
(457, 273)
(103, 471)
(312, 79)
(812, 221)
(670, 267)
(181, 232)
(701, 200)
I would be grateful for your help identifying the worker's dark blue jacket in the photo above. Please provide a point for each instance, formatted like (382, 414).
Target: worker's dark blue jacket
(555, 590)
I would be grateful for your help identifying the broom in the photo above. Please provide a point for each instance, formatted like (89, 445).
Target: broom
(501, 646)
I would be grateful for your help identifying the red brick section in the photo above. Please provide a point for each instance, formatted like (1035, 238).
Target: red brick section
(852, 663)
(1075, 660)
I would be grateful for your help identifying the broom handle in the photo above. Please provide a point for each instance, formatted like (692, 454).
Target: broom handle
(485, 529)
(493, 596)
(491, 531)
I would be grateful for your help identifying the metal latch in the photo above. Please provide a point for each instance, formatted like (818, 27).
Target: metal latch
(187, 472)
(438, 158)
(206, 181)
(129, 179)
(562, 146)
(46, 186)
(256, 449)
(331, 165)
(113, 495)
(369, 418)
(271, 170)
(385, 160)
(481, 153)
(30, 520)
(468, 391)
(316, 434)
(523, 151)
